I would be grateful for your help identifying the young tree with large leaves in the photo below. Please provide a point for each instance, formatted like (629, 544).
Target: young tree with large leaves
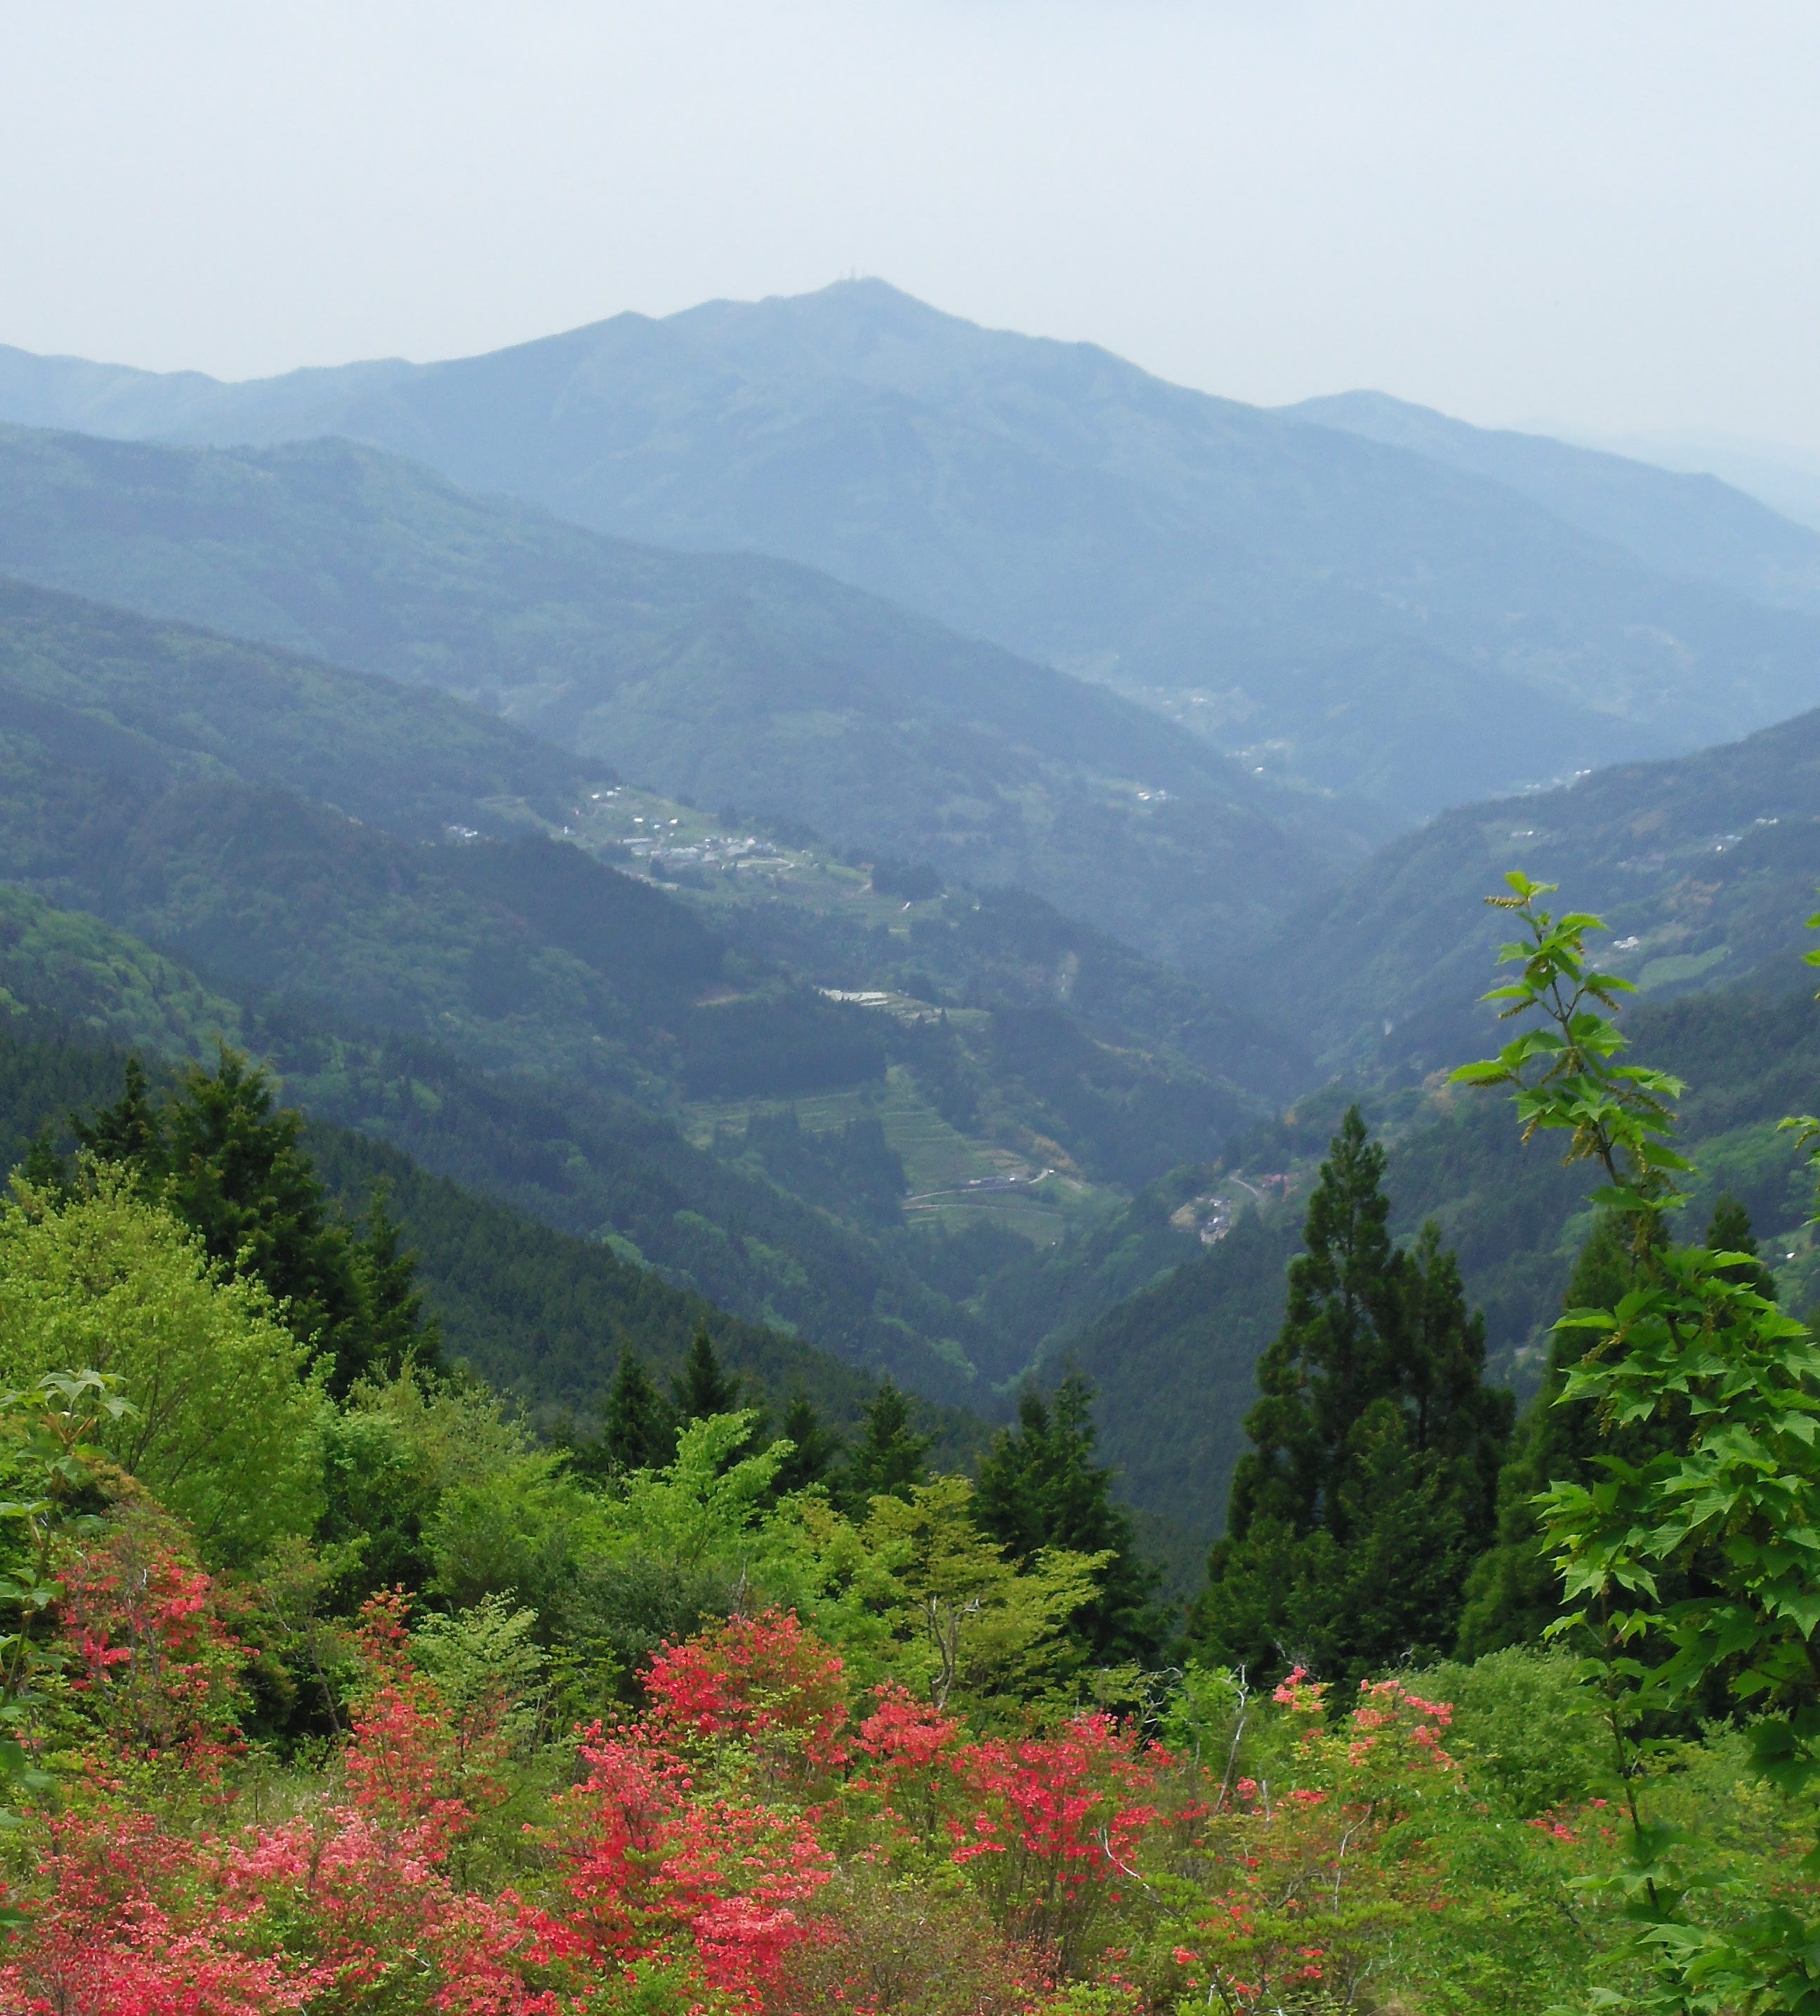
(225, 1424)
(1514, 1594)
(1370, 1483)
(1695, 1562)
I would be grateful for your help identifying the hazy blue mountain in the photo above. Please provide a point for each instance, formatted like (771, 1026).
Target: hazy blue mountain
(1333, 609)
(116, 399)
(730, 679)
(1692, 526)
(1786, 478)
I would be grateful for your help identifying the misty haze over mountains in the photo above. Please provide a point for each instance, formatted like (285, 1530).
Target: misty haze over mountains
(1376, 617)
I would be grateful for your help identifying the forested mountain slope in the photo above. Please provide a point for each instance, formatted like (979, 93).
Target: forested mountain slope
(527, 1019)
(106, 695)
(1703, 866)
(157, 701)
(1174, 1361)
(731, 679)
(1340, 610)
(1174, 1366)
(590, 1164)
(542, 1315)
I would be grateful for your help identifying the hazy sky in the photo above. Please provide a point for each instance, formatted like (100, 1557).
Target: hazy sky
(1605, 213)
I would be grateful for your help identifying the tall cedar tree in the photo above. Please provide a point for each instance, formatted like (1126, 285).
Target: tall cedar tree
(1514, 1593)
(229, 1163)
(1371, 1484)
(638, 1425)
(703, 1389)
(889, 1460)
(1040, 1487)
(814, 1447)
(399, 1332)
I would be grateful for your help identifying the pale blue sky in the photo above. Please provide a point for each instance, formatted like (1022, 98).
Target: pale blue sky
(1605, 213)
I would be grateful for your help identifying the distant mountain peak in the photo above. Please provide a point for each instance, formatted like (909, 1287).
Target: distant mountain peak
(1359, 594)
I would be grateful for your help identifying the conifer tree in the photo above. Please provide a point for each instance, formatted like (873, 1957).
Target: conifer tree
(703, 1389)
(44, 1169)
(398, 1331)
(1338, 1330)
(1513, 1591)
(1730, 1231)
(235, 1168)
(1370, 1483)
(130, 1132)
(889, 1460)
(638, 1425)
(815, 1449)
(225, 1159)
(1040, 1487)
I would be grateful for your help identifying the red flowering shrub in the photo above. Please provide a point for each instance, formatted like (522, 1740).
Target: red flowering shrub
(905, 1737)
(368, 1907)
(910, 1747)
(655, 1870)
(335, 1911)
(1052, 1823)
(350, 1906)
(685, 1871)
(130, 1927)
(403, 1762)
(149, 1646)
(763, 1681)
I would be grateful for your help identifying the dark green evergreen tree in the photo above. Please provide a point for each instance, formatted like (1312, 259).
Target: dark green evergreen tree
(222, 1156)
(44, 1169)
(815, 1449)
(1039, 1487)
(1450, 1414)
(131, 1132)
(1374, 1440)
(702, 1388)
(638, 1425)
(1392, 1588)
(398, 1330)
(235, 1168)
(890, 1458)
(1512, 1593)
(1332, 1354)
